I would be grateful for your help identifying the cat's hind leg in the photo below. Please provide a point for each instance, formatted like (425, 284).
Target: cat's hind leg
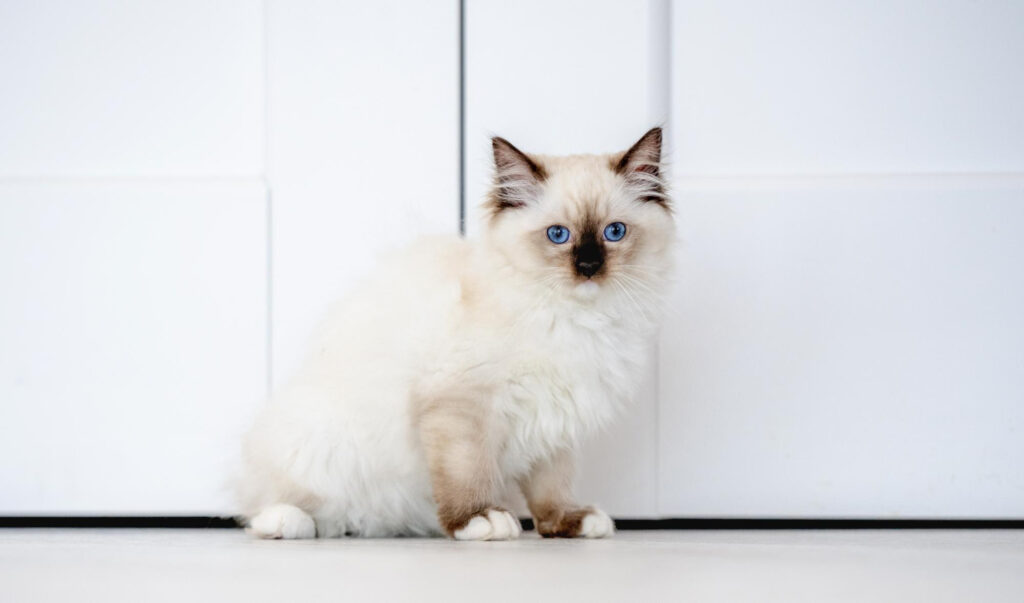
(282, 521)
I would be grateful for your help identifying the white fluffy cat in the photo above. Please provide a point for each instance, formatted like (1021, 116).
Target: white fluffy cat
(462, 367)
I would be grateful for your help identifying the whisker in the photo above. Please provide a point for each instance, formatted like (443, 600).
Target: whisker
(638, 283)
(633, 300)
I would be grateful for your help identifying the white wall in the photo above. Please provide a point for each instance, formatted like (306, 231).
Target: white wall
(184, 187)
(363, 147)
(132, 252)
(133, 321)
(846, 337)
(106, 89)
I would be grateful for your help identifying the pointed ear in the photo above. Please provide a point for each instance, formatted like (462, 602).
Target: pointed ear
(641, 166)
(644, 156)
(517, 177)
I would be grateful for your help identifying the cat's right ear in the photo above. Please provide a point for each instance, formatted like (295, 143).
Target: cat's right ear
(517, 177)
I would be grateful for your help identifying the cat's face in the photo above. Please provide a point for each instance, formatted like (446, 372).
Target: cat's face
(583, 223)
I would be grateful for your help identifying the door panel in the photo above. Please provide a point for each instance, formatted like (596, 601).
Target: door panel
(363, 120)
(132, 343)
(844, 339)
(105, 88)
(847, 348)
(797, 86)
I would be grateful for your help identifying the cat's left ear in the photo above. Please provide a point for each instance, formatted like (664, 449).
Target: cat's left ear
(644, 156)
(641, 166)
(517, 177)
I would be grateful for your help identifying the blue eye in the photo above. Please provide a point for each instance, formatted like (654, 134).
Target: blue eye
(615, 231)
(558, 234)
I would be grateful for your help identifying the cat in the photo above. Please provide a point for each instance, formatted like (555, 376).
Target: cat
(462, 368)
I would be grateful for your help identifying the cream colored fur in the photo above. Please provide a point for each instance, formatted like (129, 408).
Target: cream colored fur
(466, 366)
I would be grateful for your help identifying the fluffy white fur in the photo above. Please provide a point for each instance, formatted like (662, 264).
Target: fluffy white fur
(550, 356)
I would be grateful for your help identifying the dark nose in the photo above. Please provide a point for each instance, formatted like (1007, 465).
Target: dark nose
(588, 255)
(588, 268)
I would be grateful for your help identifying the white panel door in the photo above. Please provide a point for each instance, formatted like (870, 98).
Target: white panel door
(877, 86)
(165, 167)
(132, 340)
(363, 122)
(849, 349)
(133, 252)
(107, 88)
(846, 336)
(571, 77)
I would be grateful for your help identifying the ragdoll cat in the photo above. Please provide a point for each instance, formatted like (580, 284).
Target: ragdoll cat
(462, 368)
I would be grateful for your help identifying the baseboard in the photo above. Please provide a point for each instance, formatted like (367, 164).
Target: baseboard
(705, 523)
(129, 521)
(679, 523)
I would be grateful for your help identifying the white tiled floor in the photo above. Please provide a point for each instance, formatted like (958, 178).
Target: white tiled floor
(193, 565)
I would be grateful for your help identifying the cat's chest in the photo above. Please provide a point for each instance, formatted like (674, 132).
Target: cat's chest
(568, 379)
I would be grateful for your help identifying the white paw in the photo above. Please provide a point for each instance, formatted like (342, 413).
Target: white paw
(283, 521)
(496, 525)
(597, 524)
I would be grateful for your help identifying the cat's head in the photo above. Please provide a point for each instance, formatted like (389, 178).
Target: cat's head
(582, 223)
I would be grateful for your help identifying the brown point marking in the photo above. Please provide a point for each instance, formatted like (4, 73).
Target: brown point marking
(452, 429)
(453, 518)
(559, 522)
(506, 156)
(644, 156)
(588, 253)
(511, 164)
(453, 522)
(649, 145)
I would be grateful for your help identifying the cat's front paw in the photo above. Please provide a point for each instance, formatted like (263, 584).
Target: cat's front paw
(282, 521)
(588, 522)
(493, 524)
(597, 524)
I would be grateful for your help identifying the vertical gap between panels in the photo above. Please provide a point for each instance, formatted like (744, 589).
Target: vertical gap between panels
(269, 199)
(462, 117)
(660, 107)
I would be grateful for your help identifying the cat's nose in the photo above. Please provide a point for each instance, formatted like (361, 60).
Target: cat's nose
(588, 268)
